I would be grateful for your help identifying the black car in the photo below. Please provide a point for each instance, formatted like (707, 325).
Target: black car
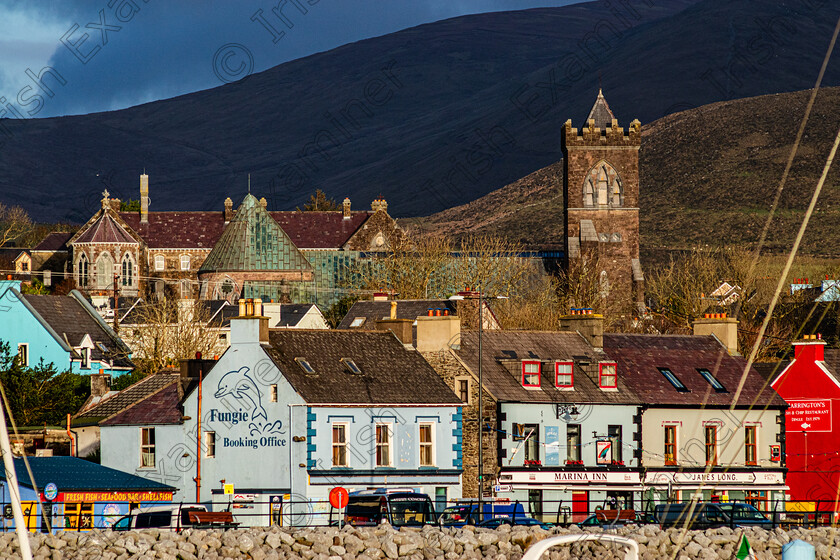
(497, 522)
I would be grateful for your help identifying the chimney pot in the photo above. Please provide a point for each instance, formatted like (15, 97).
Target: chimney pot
(393, 310)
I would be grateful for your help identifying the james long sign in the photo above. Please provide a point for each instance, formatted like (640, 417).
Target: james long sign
(812, 415)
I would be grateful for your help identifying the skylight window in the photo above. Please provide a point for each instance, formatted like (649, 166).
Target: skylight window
(716, 385)
(674, 380)
(305, 366)
(357, 322)
(102, 347)
(351, 366)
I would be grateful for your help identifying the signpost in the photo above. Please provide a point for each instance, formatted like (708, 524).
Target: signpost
(338, 499)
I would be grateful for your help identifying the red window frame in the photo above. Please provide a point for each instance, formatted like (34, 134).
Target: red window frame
(557, 374)
(601, 375)
(538, 373)
(711, 444)
(670, 445)
(750, 447)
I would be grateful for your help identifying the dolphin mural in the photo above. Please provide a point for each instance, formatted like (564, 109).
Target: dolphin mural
(239, 385)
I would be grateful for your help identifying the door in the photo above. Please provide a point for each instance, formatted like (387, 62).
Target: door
(580, 506)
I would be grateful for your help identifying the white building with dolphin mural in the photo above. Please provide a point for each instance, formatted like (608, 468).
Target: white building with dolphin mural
(286, 415)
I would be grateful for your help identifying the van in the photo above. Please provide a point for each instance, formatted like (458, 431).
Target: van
(399, 508)
(173, 516)
(465, 512)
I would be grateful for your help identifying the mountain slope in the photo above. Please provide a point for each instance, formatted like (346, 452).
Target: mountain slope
(708, 176)
(429, 117)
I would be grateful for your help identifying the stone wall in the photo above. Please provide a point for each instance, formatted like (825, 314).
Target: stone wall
(385, 543)
(451, 371)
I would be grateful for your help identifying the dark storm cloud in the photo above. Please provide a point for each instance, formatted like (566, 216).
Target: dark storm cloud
(110, 54)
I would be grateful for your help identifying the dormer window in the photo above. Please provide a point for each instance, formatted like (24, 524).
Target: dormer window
(305, 366)
(674, 380)
(530, 374)
(564, 376)
(351, 366)
(716, 385)
(85, 355)
(607, 376)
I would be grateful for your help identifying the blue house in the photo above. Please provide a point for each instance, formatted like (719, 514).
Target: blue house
(81, 495)
(63, 330)
(286, 415)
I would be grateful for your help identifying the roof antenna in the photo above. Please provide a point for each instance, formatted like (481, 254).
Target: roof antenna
(600, 90)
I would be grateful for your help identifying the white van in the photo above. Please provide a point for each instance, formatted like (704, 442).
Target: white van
(173, 516)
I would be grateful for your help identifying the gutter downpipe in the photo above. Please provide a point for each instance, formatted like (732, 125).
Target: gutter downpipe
(74, 439)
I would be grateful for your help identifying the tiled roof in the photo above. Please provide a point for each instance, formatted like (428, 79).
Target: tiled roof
(130, 395)
(501, 358)
(320, 230)
(601, 112)
(391, 374)
(54, 241)
(74, 474)
(770, 370)
(105, 230)
(254, 241)
(406, 309)
(161, 407)
(201, 230)
(639, 357)
(178, 230)
(831, 358)
(71, 321)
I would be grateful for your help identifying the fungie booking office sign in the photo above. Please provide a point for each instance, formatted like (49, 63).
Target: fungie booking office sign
(245, 416)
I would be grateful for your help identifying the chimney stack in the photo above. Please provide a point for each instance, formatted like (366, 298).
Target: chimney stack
(811, 348)
(115, 204)
(380, 296)
(144, 199)
(590, 325)
(724, 328)
(436, 333)
(100, 383)
(228, 209)
(346, 206)
(251, 326)
(263, 202)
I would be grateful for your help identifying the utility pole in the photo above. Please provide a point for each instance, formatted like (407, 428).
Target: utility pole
(116, 304)
(480, 410)
(198, 431)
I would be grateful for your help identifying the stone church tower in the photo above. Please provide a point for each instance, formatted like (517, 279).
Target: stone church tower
(601, 186)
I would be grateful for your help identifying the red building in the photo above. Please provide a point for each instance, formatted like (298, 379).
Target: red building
(810, 386)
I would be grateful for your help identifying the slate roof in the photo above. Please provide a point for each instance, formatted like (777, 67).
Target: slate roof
(391, 374)
(201, 230)
(770, 370)
(105, 230)
(74, 474)
(54, 241)
(406, 309)
(601, 112)
(160, 407)
(127, 397)
(292, 313)
(639, 357)
(502, 354)
(70, 320)
(254, 241)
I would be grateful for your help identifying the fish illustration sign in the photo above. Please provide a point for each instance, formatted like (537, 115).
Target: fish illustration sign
(238, 390)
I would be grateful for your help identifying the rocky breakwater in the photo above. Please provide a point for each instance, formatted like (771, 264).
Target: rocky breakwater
(385, 543)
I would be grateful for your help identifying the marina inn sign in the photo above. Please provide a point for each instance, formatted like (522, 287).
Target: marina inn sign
(650, 478)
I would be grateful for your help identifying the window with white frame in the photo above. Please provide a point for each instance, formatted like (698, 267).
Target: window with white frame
(427, 444)
(23, 355)
(530, 373)
(185, 262)
(383, 445)
(462, 388)
(209, 444)
(84, 353)
(564, 377)
(607, 377)
(339, 445)
(160, 262)
(147, 447)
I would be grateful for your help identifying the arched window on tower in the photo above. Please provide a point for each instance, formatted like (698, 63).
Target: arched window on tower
(127, 271)
(104, 271)
(82, 271)
(602, 187)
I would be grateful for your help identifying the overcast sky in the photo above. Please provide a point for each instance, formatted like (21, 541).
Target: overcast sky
(135, 51)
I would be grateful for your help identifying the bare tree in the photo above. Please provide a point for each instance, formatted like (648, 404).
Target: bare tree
(168, 330)
(14, 223)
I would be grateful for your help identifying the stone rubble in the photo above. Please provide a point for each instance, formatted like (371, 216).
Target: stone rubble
(428, 543)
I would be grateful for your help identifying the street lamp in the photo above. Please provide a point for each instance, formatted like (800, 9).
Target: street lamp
(481, 299)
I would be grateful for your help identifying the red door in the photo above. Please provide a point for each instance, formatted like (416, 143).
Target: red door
(580, 506)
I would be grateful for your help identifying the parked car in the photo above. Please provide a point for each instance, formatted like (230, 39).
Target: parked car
(397, 507)
(497, 522)
(173, 516)
(703, 515)
(459, 515)
(743, 515)
(465, 512)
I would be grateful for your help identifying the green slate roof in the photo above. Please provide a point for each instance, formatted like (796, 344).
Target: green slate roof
(254, 241)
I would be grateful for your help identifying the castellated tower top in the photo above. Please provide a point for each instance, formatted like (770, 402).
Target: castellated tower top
(602, 129)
